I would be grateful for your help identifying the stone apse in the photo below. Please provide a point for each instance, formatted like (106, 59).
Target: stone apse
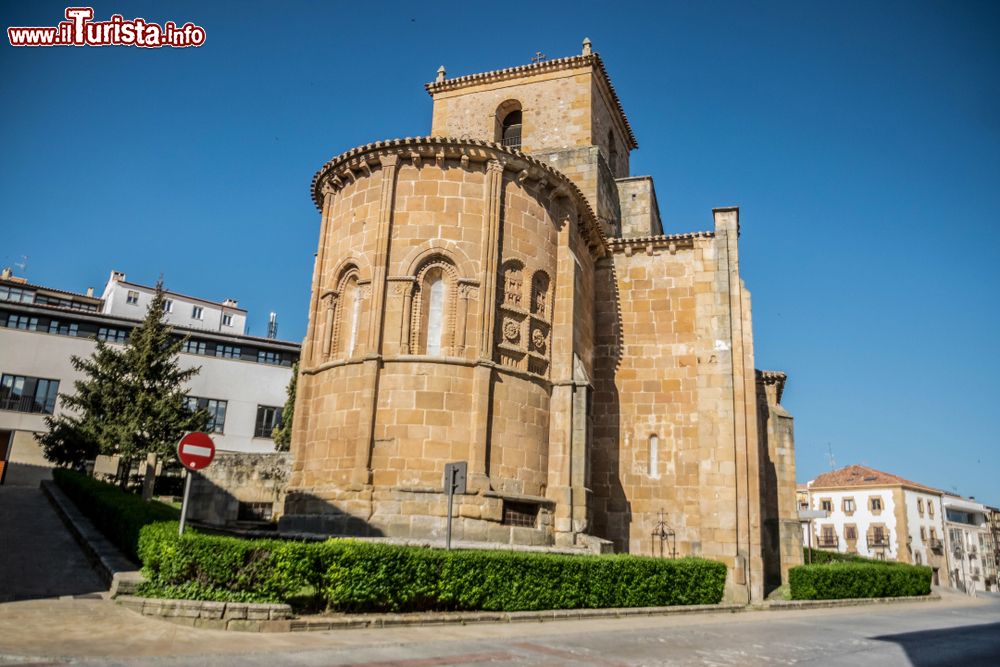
(502, 292)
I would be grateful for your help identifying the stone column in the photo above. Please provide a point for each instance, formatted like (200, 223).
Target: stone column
(376, 321)
(330, 300)
(461, 317)
(407, 317)
(318, 268)
(483, 373)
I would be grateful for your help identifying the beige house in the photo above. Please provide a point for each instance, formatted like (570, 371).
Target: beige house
(504, 293)
(879, 515)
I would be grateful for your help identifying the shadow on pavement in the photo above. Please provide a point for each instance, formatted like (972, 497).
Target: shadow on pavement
(968, 646)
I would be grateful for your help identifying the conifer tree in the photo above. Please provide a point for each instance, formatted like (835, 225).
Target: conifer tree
(132, 401)
(283, 434)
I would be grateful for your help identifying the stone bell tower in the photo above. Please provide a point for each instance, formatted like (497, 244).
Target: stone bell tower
(564, 112)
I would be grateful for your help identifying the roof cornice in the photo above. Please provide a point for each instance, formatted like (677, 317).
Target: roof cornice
(541, 177)
(545, 66)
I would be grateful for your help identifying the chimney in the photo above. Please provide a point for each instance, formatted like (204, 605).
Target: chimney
(6, 273)
(90, 291)
(117, 276)
(230, 303)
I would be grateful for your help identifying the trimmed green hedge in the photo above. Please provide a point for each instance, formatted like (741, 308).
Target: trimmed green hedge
(354, 576)
(821, 557)
(119, 515)
(836, 581)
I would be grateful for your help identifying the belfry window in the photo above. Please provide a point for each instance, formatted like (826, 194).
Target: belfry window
(510, 134)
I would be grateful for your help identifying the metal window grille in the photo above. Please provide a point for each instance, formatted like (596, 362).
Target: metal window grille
(519, 514)
(255, 512)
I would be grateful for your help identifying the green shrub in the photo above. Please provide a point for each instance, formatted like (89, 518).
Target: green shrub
(836, 581)
(821, 557)
(355, 576)
(117, 514)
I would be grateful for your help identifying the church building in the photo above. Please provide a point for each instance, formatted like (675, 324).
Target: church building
(503, 293)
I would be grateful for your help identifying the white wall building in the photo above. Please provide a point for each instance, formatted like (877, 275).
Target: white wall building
(242, 382)
(879, 515)
(970, 544)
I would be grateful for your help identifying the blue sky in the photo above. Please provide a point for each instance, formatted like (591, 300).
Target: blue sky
(861, 139)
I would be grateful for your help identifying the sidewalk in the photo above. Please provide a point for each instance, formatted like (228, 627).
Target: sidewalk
(38, 556)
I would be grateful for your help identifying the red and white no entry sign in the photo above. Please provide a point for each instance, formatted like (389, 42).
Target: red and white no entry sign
(196, 450)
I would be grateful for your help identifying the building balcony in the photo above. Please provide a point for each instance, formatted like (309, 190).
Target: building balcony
(24, 404)
(879, 542)
(827, 542)
(935, 544)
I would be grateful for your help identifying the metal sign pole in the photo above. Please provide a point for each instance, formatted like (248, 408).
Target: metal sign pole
(184, 504)
(451, 498)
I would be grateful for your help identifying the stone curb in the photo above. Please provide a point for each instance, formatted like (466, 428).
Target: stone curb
(119, 573)
(240, 616)
(357, 621)
(776, 605)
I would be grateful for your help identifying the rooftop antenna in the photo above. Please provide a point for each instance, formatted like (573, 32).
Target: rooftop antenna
(272, 325)
(829, 456)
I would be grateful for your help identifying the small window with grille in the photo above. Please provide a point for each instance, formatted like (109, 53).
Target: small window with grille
(255, 511)
(519, 514)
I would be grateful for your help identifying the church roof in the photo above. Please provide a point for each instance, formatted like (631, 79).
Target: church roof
(857, 475)
(592, 59)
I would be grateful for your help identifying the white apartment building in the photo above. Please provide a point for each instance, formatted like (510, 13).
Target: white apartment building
(879, 515)
(971, 551)
(242, 381)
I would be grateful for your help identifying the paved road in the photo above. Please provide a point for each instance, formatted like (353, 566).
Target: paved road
(955, 631)
(38, 557)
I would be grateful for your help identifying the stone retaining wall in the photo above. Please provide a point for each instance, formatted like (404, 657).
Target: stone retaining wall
(245, 616)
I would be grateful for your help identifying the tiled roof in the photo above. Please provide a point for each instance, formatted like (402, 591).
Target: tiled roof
(857, 475)
(539, 68)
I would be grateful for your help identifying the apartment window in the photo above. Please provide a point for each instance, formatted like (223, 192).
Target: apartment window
(880, 537)
(268, 357)
(930, 508)
(28, 394)
(194, 346)
(849, 506)
(918, 558)
(826, 505)
(828, 538)
(168, 305)
(268, 419)
(923, 534)
(63, 328)
(227, 320)
(132, 298)
(920, 506)
(875, 503)
(16, 294)
(109, 335)
(216, 411)
(850, 532)
(23, 322)
(228, 351)
(196, 312)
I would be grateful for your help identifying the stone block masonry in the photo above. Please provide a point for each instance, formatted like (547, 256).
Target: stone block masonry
(509, 298)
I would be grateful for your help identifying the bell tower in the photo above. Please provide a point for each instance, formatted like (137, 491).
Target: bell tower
(563, 111)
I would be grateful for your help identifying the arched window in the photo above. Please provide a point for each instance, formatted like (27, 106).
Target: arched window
(511, 130)
(433, 316)
(654, 456)
(508, 124)
(435, 313)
